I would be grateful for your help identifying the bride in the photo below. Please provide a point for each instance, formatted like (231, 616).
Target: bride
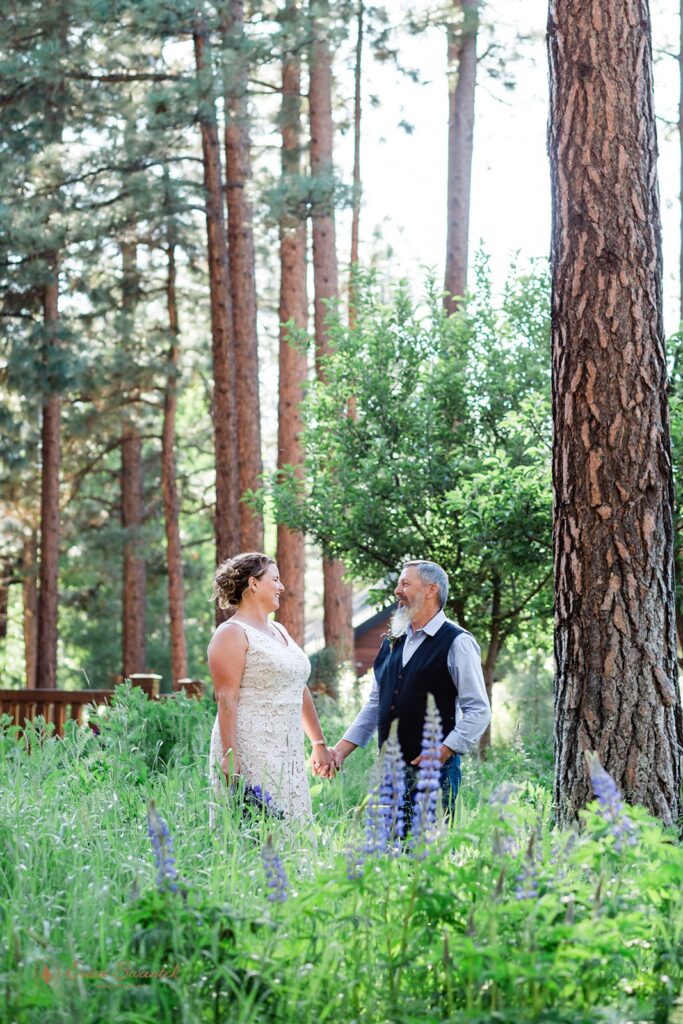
(264, 705)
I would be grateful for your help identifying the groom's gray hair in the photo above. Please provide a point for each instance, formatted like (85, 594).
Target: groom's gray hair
(430, 572)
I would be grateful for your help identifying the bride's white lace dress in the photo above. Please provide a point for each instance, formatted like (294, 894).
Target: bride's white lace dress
(270, 737)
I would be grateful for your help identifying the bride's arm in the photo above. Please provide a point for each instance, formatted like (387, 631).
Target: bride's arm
(322, 760)
(227, 654)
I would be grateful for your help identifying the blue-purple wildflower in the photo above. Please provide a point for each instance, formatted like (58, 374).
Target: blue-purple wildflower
(162, 845)
(260, 800)
(276, 878)
(428, 778)
(504, 842)
(392, 792)
(526, 887)
(610, 803)
(375, 831)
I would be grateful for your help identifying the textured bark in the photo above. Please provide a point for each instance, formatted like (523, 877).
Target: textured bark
(48, 597)
(226, 521)
(462, 78)
(292, 358)
(242, 270)
(134, 567)
(29, 590)
(337, 599)
(134, 581)
(174, 552)
(357, 115)
(680, 155)
(6, 576)
(616, 679)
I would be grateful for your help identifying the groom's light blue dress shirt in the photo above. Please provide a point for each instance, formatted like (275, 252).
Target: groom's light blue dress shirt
(472, 708)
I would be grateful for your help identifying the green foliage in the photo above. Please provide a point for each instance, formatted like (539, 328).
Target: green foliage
(85, 934)
(429, 437)
(155, 734)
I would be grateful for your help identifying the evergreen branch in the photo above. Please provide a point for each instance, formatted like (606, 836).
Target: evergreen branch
(137, 76)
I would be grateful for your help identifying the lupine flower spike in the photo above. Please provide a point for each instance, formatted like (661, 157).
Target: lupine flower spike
(526, 887)
(392, 792)
(429, 778)
(503, 838)
(276, 879)
(610, 803)
(375, 832)
(162, 845)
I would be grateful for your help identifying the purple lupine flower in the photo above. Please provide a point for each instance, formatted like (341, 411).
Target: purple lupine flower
(392, 791)
(261, 800)
(375, 830)
(276, 879)
(610, 803)
(355, 858)
(162, 845)
(503, 841)
(428, 778)
(526, 887)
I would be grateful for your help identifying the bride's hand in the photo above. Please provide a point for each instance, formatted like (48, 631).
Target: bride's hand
(322, 762)
(230, 766)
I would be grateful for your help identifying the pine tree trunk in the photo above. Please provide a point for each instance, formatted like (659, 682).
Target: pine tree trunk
(46, 655)
(134, 581)
(6, 577)
(357, 113)
(226, 522)
(680, 156)
(174, 552)
(616, 689)
(242, 270)
(29, 591)
(134, 567)
(462, 77)
(293, 306)
(337, 600)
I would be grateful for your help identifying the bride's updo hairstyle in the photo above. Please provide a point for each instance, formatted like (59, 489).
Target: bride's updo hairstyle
(232, 576)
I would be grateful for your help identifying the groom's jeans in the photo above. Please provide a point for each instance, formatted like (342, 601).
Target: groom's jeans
(450, 777)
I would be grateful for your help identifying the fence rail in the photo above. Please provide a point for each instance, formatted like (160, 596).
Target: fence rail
(60, 706)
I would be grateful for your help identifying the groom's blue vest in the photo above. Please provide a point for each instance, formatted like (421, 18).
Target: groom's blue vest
(403, 691)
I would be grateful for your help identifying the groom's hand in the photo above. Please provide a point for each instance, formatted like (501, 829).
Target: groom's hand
(341, 751)
(444, 754)
(322, 762)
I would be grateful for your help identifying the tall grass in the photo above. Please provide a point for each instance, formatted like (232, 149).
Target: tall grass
(501, 919)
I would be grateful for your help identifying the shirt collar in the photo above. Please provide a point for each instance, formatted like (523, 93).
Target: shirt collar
(430, 628)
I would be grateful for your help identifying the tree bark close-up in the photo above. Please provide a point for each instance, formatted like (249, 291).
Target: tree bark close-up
(293, 307)
(616, 688)
(337, 599)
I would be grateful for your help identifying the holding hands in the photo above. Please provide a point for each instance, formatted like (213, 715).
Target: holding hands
(326, 761)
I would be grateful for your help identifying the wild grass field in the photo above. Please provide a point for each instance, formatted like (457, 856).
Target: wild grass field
(500, 918)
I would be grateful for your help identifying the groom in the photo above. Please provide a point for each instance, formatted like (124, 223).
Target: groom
(424, 653)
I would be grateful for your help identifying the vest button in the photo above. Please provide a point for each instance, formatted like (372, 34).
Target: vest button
(395, 691)
(393, 707)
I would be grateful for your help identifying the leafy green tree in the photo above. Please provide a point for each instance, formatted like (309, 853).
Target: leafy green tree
(446, 454)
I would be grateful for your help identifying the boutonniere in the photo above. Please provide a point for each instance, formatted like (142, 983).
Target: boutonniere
(391, 639)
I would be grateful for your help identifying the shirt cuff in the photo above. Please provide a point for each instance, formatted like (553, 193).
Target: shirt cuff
(358, 735)
(456, 742)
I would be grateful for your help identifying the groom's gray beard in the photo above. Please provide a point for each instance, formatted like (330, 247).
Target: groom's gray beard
(401, 618)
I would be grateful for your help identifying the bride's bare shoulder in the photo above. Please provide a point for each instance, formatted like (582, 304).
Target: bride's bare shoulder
(229, 636)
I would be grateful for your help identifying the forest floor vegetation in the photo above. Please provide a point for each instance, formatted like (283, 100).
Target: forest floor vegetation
(118, 903)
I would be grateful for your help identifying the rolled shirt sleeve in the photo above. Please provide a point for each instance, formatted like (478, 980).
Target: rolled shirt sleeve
(464, 666)
(364, 724)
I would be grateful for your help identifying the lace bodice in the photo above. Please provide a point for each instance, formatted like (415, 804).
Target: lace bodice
(270, 738)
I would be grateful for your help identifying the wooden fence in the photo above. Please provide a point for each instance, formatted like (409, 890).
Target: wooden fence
(58, 706)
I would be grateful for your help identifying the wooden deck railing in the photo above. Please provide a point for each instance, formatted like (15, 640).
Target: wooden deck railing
(58, 706)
